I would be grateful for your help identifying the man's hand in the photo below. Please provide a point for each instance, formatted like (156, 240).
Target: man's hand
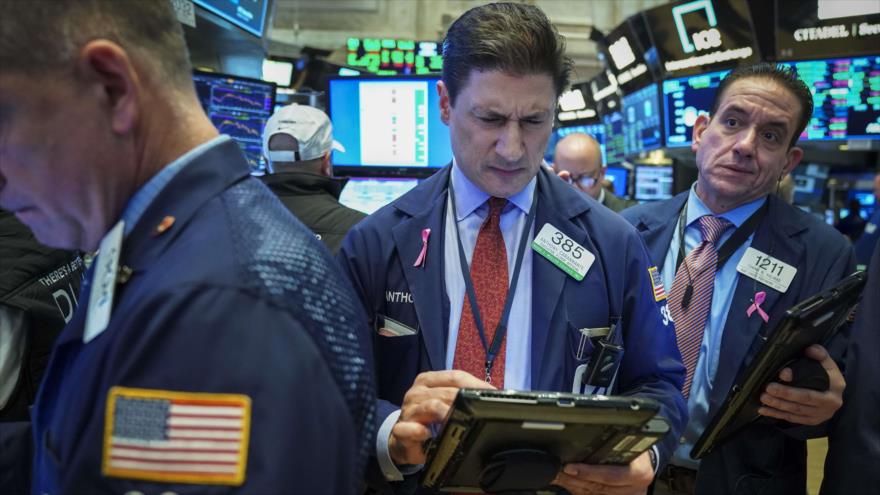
(564, 175)
(801, 405)
(607, 480)
(426, 402)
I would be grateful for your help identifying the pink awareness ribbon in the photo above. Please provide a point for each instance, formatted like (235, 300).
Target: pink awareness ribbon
(420, 261)
(756, 306)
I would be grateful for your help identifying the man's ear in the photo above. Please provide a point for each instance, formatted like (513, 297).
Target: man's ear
(445, 102)
(107, 68)
(792, 158)
(700, 126)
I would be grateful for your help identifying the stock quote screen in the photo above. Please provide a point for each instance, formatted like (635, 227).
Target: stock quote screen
(684, 99)
(846, 97)
(641, 110)
(238, 107)
(615, 143)
(393, 57)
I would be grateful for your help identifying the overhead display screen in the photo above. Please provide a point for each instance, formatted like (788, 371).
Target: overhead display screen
(627, 60)
(642, 114)
(392, 57)
(846, 97)
(684, 99)
(810, 29)
(249, 15)
(576, 106)
(702, 35)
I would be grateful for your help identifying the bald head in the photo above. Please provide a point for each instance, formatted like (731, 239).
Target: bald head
(578, 159)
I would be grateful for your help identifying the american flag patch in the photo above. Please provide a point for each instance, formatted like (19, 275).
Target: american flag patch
(183, 437)
(657, 284)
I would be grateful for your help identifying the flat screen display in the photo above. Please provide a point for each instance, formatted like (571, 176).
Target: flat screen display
(627, 60)
(239, 107)
(370, 194)
(619, 178)
(388, 122)
(596, 130)
(702, 35)
(809, 29)
(653, 183)
(683, 100)
(279, 72)
(394, 57)
(576, 106)
(249, 15)
(615, 142)
(846, 97)
(642, 114)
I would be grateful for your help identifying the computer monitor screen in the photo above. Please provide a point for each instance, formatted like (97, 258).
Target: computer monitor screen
(641, 127)
(619, 177)
(239, 107)
(576, 106)
(249, 15)
(597, 131)
(615, 143)
(846, 97)
(653, 183)
(394, 57)
(388, 122)
(370, 194)
(684, 99)
(280, 71)
(867, 202)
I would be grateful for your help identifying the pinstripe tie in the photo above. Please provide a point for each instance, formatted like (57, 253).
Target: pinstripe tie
(691, 294)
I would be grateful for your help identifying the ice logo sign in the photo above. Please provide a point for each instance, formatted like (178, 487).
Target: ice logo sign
(703, 40)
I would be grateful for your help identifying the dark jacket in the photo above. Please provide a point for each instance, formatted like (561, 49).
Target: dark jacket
(235, 306)
(760, 458)
(43, 284)
(314, 199)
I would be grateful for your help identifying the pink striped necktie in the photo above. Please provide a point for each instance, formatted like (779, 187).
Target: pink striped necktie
(691, 296)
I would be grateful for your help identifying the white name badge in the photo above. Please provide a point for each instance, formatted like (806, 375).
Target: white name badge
(104, 283)
(562, 251)
(766, 269)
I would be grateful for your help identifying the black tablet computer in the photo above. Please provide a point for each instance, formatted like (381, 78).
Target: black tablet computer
(490, 430)
(813, 321)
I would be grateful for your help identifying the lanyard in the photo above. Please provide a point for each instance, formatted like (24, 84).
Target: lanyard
(737, 239)
(501, 329)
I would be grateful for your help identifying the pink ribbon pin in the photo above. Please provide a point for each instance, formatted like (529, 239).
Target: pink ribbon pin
(756, 306)
(420, 261)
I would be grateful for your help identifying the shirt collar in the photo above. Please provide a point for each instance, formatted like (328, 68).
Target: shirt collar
(601, 198)
(142, 199)
(696, 209)
(469, 197)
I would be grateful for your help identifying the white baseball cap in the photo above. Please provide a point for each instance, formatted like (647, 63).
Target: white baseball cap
(310, 127)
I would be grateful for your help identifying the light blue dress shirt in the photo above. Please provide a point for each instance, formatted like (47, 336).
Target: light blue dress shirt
(724, 288)
(472, 209)
(142, 199)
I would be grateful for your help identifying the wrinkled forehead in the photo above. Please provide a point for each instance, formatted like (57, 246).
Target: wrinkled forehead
(762, 95)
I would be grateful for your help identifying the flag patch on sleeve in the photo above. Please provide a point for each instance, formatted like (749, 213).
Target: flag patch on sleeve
(179, 437)
(657, 284)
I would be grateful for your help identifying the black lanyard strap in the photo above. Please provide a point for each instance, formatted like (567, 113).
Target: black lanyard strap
(737, 239)
(493, 349)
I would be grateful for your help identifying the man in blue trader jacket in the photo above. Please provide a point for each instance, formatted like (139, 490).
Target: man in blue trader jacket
(742, 150)
(215, 348)
(406, 263)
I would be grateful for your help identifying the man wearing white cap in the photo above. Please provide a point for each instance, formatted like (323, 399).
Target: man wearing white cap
(297, 142)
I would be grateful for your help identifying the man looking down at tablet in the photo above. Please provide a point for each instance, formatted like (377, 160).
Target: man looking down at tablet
(498, 225)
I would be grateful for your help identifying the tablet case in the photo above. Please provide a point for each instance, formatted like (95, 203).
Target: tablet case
(494, 440)
(812, 321)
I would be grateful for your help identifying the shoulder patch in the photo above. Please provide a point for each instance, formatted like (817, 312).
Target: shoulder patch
(179, 437)
(657, 284)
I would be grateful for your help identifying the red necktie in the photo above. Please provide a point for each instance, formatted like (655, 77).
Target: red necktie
(692, 288)
(489, 275)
